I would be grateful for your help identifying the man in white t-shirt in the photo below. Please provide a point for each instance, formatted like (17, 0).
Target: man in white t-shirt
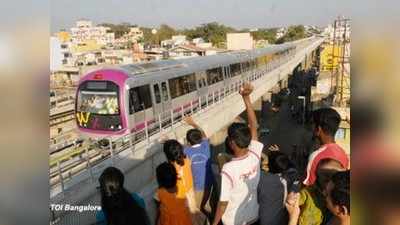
(239, 178)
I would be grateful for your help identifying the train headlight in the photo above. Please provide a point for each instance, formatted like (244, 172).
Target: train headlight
(112, 127)
(119, 127)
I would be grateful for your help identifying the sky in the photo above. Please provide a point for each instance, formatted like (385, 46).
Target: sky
(190, 13)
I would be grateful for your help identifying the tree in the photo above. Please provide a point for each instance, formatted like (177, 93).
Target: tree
(210, 32)
(293, 33)
(164, 32)
(118, 29)
(265, 34)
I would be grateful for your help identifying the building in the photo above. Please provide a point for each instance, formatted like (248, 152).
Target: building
(339, 30)
(330, 57)
(175, 41)
(197, 41)
(60, 54)
(135, 34)
(261, 43)
(84, 31)
(184, 51)
(239, 41)
(63, 36)
(280, 32)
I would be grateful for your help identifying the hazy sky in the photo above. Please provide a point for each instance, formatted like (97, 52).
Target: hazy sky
(189, 13)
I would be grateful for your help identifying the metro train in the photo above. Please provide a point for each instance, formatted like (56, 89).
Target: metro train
(119, 100)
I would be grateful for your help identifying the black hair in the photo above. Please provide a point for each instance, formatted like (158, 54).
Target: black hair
(118, 205)
(340, 193)
(194, 136)
(325, 175)
(328, 119)
(174, 151)
(240, 134)
(228, 148)
(278, 162)
(166, 175)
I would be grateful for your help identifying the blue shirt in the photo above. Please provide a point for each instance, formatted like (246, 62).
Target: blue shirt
(101, 218)
(201, 164)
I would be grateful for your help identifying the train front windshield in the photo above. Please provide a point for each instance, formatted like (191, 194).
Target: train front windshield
(98, 106)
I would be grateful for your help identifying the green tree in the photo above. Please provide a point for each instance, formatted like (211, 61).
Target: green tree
(293, 33)
(164, 32)
(118, 29)
(210, 32)
(265, 34)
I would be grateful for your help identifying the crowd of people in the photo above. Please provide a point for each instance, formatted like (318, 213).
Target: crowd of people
(258, 185)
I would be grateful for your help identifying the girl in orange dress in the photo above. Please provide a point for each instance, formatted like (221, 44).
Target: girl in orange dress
(172, 209)
(174, 152)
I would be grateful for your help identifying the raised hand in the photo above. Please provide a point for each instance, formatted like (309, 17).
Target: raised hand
(189, 120)
(273, 147)
(246, 89)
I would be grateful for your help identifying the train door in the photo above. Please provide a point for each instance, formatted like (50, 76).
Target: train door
(201, 78)
(165, 97)
(162, 100)
(139, 106)
(202, 88)
(227, 79)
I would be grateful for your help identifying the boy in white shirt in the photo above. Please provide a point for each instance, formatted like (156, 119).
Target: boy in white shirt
(239, 178)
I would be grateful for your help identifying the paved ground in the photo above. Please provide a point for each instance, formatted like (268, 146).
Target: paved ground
(285, 131)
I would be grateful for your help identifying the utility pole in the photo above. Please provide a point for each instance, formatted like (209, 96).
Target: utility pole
(333, 52)
(340, 39)
(345, 41)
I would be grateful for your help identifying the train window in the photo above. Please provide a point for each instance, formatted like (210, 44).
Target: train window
(157, 93)
(139, 99)
(164, 91)
(260, 61)
(245, 66)
(214, 75)
(235, 69)
(182, 85)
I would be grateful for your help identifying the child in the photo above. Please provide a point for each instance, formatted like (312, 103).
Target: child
(338, 198)
(312, 200)
(270, 195)
(174, 152)
(118, 205)
(172, 210)
(199, 153)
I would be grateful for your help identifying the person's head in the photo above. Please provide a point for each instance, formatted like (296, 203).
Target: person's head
(166, 175)
(338, 194)
(278, 162)
(326, 122)
(325, 170)
(194, 136)
(174, 151)
(111, 182)
(118, 205)
(239, 136)
(228, 148)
